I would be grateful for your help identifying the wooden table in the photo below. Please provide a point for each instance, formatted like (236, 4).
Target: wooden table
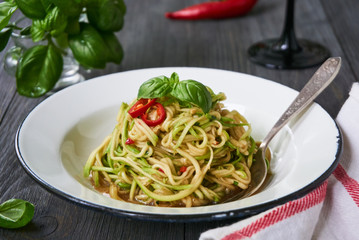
(151, 40)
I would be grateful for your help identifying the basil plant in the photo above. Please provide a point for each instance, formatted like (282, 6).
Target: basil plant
(59, 23)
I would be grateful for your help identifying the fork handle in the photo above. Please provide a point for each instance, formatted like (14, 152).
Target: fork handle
(318, 82)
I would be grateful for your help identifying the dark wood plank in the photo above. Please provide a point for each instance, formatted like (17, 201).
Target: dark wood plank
(7, 89)
(343, 17)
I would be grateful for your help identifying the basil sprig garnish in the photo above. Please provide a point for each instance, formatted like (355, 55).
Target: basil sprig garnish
(16, 213)
(87, 27)
(188, 91)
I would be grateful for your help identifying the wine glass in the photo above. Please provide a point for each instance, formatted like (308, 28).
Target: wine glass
(288, 52)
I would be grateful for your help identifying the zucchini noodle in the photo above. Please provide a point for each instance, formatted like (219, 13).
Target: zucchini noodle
(190, 159)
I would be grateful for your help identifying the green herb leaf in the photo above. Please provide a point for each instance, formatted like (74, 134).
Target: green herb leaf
(25, 31)
(73, 26)
(6, 11)
(38, 70)
(88, 47)
(54, 23)
(16, 213)
(188, 92)
(62, 41)
(37, 31)
(115, 50)
(47, 5)
(174, 78)
(106, 15)
(155, 87)
(4, 38)
(68, 7)
(193, 92)
(32, 8)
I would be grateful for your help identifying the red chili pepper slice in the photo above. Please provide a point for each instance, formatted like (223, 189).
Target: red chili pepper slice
(161, 115)
(210, 10)
(183, 169)
(161, 170)
(129, 141)
(141, 106)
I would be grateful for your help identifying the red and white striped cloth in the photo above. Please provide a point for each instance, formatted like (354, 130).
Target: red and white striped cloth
(331, 211)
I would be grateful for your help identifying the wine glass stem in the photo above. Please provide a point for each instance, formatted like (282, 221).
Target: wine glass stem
(288, 41)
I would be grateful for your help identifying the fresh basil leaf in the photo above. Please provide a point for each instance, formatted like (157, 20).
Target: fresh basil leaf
(25, 31)
(186, 92)
(38, 70)
(106, 15)
(54, 23)
(155, 87)
(68, 7)
(6, 11)
(4, 37)
(193, 92)
(115, 50)
(88, 47)
(73, 26)
(174, 78)
(16, 213)
(47, 5)
(62, 41)
(37, 31)
(57, 21)
(32, 8)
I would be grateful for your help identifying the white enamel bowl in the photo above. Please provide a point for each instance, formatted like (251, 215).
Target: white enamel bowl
(55, 139)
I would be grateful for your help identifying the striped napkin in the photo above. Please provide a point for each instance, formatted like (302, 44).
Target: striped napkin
(331, 211)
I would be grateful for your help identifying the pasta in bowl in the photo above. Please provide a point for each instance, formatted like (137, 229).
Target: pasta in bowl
(176, 145)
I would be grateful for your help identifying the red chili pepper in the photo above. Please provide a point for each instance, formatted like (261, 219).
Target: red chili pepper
(183, 169)
(161, 115)
(161, 170)
(129, 141)
(219, 9)
(141, 106)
